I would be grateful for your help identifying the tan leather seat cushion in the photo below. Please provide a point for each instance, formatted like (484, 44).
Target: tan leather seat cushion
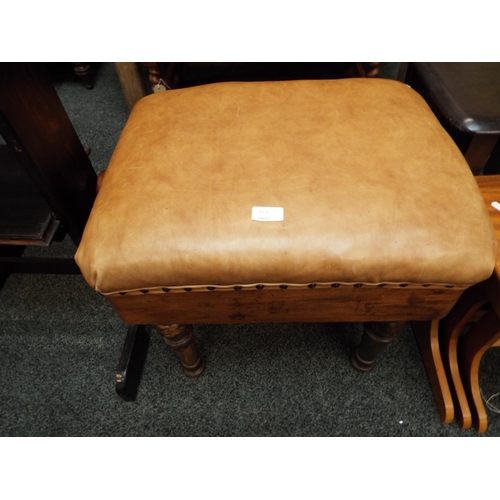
(372, 187)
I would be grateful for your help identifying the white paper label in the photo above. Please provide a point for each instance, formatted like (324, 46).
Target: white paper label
(267, 214)
(496, 205)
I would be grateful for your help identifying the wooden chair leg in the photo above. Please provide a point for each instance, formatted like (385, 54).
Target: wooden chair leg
(450, 328)
(180, 339)
(427, 337)
(84, 72)
(376, 337)
(131, 81)
(470, 352)
(154, 73)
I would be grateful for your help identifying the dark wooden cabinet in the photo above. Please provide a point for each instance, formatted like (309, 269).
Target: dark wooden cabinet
(47, 183)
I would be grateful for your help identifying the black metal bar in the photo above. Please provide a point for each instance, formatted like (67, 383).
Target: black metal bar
(131, 364)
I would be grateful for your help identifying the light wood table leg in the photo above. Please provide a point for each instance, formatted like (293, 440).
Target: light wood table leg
(427, 337)
(450, 329)
(131, 82)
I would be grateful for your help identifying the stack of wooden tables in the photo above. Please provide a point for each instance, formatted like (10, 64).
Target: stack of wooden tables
(465, 334)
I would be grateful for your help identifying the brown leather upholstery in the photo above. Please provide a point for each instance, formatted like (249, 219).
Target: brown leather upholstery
(373, 190)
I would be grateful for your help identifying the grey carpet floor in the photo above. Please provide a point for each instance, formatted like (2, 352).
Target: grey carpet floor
(60, 344)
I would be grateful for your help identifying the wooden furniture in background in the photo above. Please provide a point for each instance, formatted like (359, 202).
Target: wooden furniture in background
(47, 180)
(466, 99)
(84, 72)
(358, 70)
(427, 337)
(130, 79)
(141, 79)
(462, 352)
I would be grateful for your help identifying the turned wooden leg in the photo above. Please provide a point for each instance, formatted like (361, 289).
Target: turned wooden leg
(154, 74)
(373, 69)
(84, 72)
(427, 337)
(357, 70)
(376, 337)
(180, 339)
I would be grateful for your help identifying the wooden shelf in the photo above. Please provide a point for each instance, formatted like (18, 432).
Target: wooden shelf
(25, 217)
